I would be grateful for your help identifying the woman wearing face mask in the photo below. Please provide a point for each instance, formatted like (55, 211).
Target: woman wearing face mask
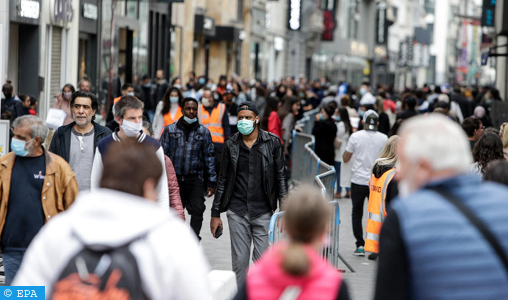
(325, 132)
(344, 131)
(288, 113)
(270, 121)
(383, 189)
(168, 110)
(294, 268)
(63, 101)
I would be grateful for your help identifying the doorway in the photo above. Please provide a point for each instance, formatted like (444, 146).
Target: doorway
(125, 44)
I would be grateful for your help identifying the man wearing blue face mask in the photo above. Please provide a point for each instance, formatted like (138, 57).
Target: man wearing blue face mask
(36, 185)
(129, 115)
(251, 182)
(190, 147)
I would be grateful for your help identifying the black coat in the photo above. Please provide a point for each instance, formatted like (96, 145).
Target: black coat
(274, 180)
(325, 132)
(61, 143)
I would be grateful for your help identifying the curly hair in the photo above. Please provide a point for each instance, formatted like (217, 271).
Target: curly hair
(488, 148)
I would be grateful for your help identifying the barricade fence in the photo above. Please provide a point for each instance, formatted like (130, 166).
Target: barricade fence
(307, 167)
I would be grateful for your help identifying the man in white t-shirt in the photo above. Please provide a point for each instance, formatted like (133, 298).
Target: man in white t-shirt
(363, 148)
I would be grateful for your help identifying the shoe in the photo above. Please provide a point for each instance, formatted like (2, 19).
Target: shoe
(348, 195)
(359, 251)
(373, 256)
(337, 195)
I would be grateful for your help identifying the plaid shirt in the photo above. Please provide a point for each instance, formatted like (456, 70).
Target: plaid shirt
(194, 156)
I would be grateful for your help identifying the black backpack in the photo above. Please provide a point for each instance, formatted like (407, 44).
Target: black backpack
(108, 274)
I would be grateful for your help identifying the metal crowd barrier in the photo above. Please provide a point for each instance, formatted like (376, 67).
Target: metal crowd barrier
(330, 252)
(307, 167)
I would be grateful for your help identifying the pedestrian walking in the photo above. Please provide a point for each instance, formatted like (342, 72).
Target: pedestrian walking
(36, 186)
(488, 148)
(11, 103)
(116, 243)
(129, 114)
(270, 120)
(168, 110)
(148, 93)
(231, 108)
(63, 102)
(161, 86)
(383, 189)
(190, 147)
(474, 129)
(444, 238)
(295, 267)
(214, 117)
(325, 132)
(175, 202)
(251, 182)
(363, 149)
(127, 89)
(84, 85)
(287, 113)
(342, 169)
(76, 142)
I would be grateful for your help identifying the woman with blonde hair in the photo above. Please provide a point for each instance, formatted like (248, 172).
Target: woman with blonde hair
(382, 190)
(294, 269)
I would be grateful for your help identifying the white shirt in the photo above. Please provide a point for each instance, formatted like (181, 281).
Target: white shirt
(366, 147)
(368, 99)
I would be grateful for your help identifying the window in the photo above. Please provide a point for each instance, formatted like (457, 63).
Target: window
(240, 10)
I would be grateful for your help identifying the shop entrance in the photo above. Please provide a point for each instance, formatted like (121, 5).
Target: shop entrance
(125, 44)
(87, 61)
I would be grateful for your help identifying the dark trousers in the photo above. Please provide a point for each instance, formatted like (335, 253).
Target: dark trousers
(358, 195)
(218, 156)
(193, 199)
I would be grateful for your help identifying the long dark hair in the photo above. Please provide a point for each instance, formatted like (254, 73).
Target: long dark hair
(488, 148)
(165, 100)
(287, 106)
(344, 117)
(272, 104)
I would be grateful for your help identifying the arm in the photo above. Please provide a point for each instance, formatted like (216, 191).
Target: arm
(273, 125)
(97, 168)
(209, 156)
(174, 191)
(280, 177)
(71, 189)
(393, 269)
(225, 124)
(221, 182)
(346, 157)
(162, 186)
(158, 121)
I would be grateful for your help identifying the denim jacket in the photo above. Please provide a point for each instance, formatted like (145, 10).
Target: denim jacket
(194, 156)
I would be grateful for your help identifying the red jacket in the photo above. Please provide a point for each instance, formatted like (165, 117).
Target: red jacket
(174, 190)
(275, 125)
(267, 280)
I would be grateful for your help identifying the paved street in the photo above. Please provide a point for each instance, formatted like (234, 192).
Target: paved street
(361, 284)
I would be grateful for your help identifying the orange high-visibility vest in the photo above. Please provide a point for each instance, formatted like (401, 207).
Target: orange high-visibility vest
(213, 122)
(167, 117)
(377, 211)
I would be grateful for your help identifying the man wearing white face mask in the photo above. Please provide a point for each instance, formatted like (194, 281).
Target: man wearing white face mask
(129, 115)
(446, 236)
(214, 117)
(36, 186)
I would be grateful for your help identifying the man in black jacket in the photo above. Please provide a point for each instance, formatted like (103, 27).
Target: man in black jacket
(76, 142)
(251, 180)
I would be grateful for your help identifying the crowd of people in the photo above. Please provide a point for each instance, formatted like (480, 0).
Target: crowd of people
(167, 146)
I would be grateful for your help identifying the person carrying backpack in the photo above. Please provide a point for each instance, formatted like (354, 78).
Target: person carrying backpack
(116, 243)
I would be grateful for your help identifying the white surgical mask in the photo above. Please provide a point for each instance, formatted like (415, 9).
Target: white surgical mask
(206, 102)
(130, 94)
(131, 129)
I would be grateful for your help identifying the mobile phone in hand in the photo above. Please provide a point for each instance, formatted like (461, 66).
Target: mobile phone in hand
(218, 232)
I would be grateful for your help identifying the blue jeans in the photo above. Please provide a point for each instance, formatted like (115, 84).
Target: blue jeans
(337, 178)
(12, 261)
(151, 115)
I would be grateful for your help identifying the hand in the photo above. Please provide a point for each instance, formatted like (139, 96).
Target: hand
(318, 117)
(210, 192)
(215, 222)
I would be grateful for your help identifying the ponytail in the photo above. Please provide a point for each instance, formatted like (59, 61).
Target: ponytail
(295, 261)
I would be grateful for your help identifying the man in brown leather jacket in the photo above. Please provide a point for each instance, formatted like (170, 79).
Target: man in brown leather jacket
(35, 185)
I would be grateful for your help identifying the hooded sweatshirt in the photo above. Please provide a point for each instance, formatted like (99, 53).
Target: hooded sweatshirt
(392, 189)
(170, 260)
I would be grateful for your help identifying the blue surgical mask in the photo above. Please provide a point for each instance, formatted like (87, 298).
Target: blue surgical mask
(18, 147)
(245, 126)
(189, 120)
(322, 118)
(363, 91)
(301, 95)
(336, 118)
(361, 112)
(147, 85)
(209, 86)
(202, 81)
(173, 99)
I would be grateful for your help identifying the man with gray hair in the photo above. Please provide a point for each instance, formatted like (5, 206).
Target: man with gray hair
(446, 237)
(35, 186)
(129, 115)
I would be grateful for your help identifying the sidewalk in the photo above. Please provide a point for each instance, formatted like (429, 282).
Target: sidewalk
(361, 284)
